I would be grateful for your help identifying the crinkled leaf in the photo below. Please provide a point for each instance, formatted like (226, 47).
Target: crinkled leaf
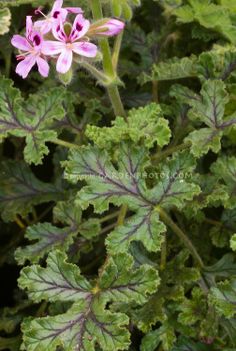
(31, 119)
(209, 15)
(145, 125)
(5, 20)
(46, 236)
(88, 321)
(126, 185)
(210, 110)
(144, 226)
(165, 335)
(20, 190)
(223, 298)
(224, 170)
(233, 242)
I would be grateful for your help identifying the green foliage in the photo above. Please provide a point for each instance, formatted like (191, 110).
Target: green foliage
(31, 119)
(88, 321)
(127, 185)
(20, 190)
(46, 236)
(145, 125)
(118, 201)
(5, 20)
(209, 15)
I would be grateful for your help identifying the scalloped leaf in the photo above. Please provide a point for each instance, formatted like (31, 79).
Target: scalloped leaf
(209, 108)
(5, 20)
(20, 190)
(223, 298)
(88, 321)
(224, 170)
(31, 119)
(126, 185)
(209, 15)
(145, 125)
(46, 236)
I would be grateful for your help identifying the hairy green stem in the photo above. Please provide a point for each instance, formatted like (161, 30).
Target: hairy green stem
(109, 69)
(183, 237)
(162, 155)
(66, 144)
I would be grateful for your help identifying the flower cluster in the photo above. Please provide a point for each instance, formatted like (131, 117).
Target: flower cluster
(56, 37)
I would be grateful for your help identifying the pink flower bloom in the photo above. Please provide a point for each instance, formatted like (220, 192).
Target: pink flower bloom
(32, 46)
(109, 28)
(57, 13)
(69, 44)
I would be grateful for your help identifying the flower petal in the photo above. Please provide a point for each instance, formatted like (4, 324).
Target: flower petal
(57, 5)
(44, 26)
(110, 28)
(74, 10)
(23, 68)
(80, 27)
(52, 47)
(20, 43)
(29, 25)
(64, 61)
(43, 66)
(58, 31)
(85, 49)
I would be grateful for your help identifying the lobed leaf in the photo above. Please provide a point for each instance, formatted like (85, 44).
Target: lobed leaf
(20, 190)
(88, 321)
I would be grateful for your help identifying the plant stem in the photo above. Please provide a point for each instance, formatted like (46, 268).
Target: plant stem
(100, 76)
(163, 254)
(115, 99)
(66, 144)
(122, 214)
(109, 216)
(183, 237)
(162, 155)
(116, 51)
(108, 67)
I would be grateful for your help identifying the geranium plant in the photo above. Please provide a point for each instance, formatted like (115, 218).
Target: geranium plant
(118, 175)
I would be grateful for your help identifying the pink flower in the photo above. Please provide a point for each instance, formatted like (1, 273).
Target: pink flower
(32, 46)
(107, 27)
(69, 44)
(57, 13)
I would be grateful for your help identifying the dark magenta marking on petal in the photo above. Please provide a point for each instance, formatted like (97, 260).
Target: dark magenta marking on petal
(56, 14)
(79, 27)
(37, 39)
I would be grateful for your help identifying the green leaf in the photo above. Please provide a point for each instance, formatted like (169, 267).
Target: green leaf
(209, 15)
(193, 310)
(156, 308)
(145, 125)
(185, 344)
(20, 190)
(126, 185)
(31, 119)
(164, 335)
(173, 69)
(224, 268)
(46, 236)
(224, 170)
(144, 226)
(5, 20)
(233, 242)
(89, 320)
(60, 281)
(223, 298)
(209, 109)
